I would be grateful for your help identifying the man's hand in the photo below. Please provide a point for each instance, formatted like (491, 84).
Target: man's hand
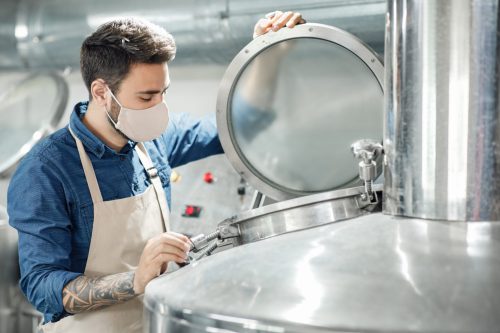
(91, 293)
(277, 20)
(160, 250)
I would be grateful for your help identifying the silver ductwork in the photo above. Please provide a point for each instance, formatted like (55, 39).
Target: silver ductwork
(442, 109)
(48, 33)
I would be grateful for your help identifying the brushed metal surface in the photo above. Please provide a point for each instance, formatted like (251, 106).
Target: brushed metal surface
(442, 110)
(375, 273)
(300, 213)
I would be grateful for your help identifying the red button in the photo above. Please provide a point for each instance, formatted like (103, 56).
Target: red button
(189, 210)
(192, 211)
(208, 177)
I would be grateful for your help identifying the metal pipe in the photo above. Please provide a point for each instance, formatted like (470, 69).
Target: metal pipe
(442, 107)
(49, 33)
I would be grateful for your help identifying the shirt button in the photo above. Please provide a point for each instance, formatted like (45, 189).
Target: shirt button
(122, 158)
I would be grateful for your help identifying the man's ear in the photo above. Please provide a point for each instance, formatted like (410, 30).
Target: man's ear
(99, 91)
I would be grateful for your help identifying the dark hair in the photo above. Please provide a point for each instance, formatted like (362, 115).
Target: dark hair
(109, 52)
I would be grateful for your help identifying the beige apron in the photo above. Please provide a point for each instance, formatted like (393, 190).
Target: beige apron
(121, 229)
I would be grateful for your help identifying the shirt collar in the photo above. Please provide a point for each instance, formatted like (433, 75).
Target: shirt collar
(89, 140)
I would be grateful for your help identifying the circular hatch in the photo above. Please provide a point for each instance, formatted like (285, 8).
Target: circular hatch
(292, 102)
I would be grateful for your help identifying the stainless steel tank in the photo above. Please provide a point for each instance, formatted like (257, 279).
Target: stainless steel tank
(442, 120)
(374, 273)
(331, 261)
(29, 111)
(16, 314)
(293, 144)
(9, 275)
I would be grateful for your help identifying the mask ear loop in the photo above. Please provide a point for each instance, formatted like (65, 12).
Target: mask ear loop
(112, 95)
(107, 113)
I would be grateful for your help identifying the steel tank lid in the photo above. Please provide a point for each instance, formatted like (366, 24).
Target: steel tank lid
(292, 102)
(372, 273)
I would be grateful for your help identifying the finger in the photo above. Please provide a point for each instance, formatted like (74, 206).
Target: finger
(163, 258)
(261, 26)
(165, 238)
(177, 240)
(294, 20)
(270, 15)
(265, 25)
(181, 237)
(280, 23)
(178, 235)
(276, 16)
(167, 248)
(162, 249)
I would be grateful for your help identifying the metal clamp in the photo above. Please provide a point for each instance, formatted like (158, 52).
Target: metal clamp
(367, 151)
(228, 231)
(201, 241)
(204, 242)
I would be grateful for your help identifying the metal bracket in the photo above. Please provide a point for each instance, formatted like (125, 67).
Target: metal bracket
(364, 200)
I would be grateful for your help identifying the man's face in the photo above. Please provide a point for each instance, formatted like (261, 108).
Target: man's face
(142, 88)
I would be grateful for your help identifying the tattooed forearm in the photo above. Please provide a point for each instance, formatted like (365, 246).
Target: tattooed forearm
(85, 293)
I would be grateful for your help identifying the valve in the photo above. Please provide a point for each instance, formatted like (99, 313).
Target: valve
(367, 151)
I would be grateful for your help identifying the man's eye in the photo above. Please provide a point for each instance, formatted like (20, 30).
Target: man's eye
(146, 99)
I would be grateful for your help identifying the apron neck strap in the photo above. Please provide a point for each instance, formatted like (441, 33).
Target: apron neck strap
(95, 192)
(155, 180)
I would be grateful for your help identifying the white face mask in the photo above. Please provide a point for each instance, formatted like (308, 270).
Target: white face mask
(141, 125)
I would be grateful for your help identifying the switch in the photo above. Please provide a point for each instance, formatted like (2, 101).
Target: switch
(192, 211)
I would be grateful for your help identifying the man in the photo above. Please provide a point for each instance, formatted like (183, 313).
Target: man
(90, 202)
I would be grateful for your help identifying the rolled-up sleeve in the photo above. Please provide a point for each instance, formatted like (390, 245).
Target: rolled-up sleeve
(38, 209)
(189, 139)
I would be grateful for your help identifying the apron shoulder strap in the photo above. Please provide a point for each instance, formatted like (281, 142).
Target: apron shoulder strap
(147, 163)
(88, 169)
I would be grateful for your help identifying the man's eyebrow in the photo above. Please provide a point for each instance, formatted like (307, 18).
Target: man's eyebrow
(153, 92)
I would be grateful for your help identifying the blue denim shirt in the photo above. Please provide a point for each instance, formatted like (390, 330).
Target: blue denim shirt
(49, 201)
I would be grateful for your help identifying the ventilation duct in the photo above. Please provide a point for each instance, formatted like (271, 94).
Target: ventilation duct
(37, 34)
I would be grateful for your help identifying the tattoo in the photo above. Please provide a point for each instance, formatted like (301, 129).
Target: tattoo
(86, 294)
